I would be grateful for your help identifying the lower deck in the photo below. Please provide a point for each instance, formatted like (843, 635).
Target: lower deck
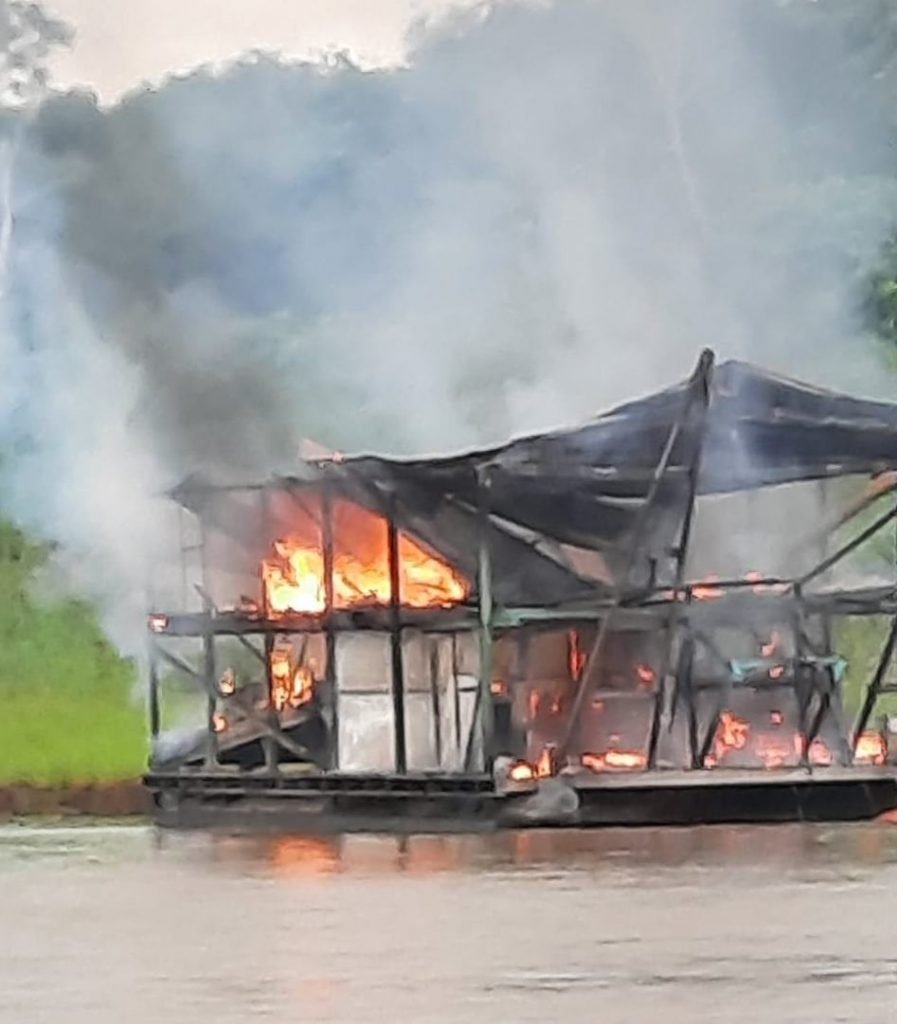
(346, 802)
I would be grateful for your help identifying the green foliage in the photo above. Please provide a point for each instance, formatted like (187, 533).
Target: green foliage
(67, 711)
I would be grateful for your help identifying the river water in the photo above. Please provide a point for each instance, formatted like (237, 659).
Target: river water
(684, 926)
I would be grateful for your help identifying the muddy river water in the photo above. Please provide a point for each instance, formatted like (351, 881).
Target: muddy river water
(123, 924)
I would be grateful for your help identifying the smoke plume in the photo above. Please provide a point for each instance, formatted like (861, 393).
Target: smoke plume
(551, 208)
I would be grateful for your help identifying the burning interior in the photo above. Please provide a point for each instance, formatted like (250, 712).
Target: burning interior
(657, 589)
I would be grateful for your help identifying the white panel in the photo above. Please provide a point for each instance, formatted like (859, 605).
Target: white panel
(420, 745)
(363, 662)
(416, 663)
(366, 741)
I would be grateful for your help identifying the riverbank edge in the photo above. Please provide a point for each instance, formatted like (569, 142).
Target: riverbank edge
(126, 799)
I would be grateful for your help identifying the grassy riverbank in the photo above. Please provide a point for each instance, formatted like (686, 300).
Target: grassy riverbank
(67, 714)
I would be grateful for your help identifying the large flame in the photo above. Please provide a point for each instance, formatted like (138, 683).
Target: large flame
(294, 578)
(290, 687)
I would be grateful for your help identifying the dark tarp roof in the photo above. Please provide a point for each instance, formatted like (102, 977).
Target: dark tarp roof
(583, 486)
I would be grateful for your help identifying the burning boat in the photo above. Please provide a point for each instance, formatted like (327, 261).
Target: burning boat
(632, 621)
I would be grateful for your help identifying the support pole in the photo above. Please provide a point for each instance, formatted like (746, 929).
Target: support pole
(703, 377)
(435, 702)
(269, 745)
(329, 634)
(208, 644)
(486, 608)
(395, 637)
(208, 647)
(698, 387)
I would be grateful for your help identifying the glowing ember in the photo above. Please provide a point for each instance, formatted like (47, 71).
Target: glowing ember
(754, 577)
(706, 589)
(521, 772)
(543, 765)
(731, 734)
(777, 751)
(615, 760)
(771, 646)
(870, 749)
(645, 674)
(289, 688)
(533, 702)
(819, 754)
(577, 656)
(294, 579)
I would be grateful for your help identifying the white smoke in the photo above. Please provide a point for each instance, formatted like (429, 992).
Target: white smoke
(553, 207)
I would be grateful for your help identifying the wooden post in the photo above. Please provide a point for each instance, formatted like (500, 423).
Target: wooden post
(395, 636)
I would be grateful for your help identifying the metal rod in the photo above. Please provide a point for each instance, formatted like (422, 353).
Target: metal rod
(395, 638)
(153, 696)
(705, 364)
(874, 687)
(850, 546)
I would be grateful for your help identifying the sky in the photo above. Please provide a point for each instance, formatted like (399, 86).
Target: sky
(121, 44)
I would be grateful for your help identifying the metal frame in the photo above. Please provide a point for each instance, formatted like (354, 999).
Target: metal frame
(671, 608)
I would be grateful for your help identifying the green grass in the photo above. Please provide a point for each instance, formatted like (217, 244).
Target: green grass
(67, 710)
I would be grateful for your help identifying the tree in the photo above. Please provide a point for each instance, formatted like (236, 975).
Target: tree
(28, 36)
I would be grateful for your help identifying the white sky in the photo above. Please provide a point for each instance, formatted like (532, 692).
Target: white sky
(122, 43)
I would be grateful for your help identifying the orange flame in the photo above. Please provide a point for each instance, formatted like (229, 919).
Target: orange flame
(289, 687)
(870, 749)
(615, 760)
(294, 579)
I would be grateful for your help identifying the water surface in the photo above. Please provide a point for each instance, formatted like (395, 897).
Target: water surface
(124, 924)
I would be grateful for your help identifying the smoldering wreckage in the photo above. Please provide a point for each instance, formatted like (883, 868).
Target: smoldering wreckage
(632, 621)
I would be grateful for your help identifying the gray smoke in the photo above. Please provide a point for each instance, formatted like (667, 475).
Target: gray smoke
(553, 207)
